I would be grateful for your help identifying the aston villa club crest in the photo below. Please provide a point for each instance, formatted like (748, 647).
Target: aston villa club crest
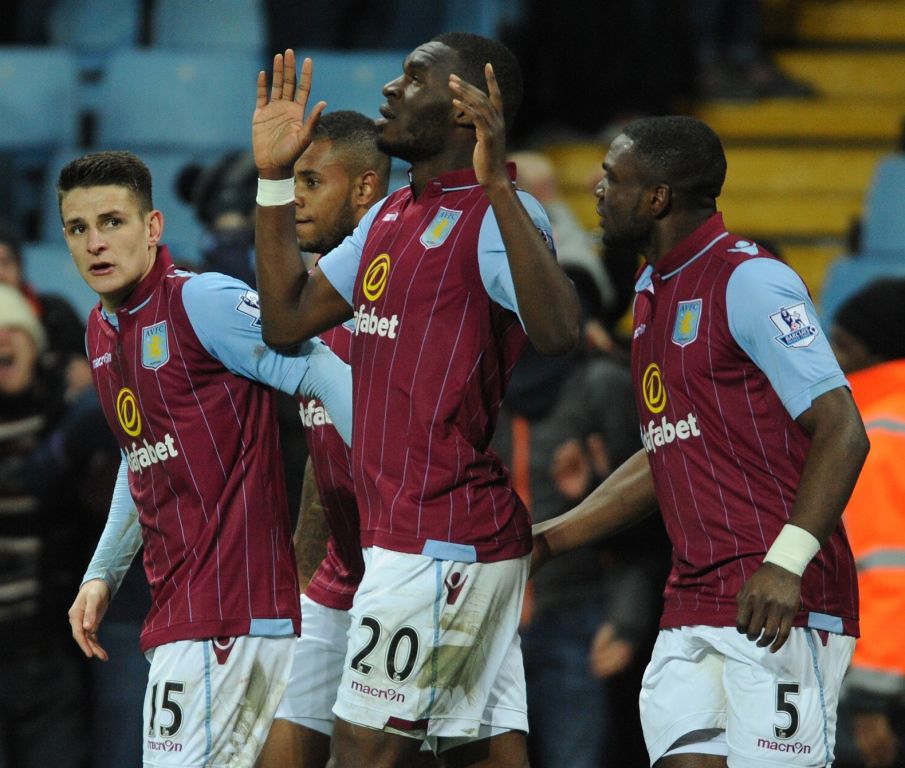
(438, 230)
(688, 318)
(794, 325)
(155, 346)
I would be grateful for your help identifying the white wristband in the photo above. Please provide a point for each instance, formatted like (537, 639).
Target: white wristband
(793, 549)
(279, 192)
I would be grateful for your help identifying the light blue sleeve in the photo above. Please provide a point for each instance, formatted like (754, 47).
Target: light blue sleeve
(492, 259)
(226, 317)
(340, 266)
(774, 321)
(120, 539)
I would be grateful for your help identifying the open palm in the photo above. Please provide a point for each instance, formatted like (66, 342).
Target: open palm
(280, 132)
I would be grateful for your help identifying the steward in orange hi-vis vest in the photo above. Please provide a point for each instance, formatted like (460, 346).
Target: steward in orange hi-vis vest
(875, 521)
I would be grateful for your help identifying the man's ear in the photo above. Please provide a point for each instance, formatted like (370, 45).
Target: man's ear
(155, 227)
(660, 200)
(367, 189)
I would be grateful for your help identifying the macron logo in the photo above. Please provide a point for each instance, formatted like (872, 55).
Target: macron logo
(104, 359)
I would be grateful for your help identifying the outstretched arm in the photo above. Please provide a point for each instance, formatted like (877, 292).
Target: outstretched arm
(626, 497)
(293, 307)
(548, 303)
(769, 600)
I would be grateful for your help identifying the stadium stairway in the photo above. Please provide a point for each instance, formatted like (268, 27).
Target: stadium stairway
(799, 168)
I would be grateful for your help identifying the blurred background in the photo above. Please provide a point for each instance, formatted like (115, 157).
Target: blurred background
(807, 95)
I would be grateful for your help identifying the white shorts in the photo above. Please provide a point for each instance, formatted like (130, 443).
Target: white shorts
(317, 667)
(210, 703)
(774, 708)
(434, 651)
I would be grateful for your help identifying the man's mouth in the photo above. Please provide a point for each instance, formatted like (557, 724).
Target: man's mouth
(101, 268)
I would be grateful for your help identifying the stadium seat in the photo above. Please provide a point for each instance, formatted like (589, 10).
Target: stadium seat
(352, 79)
(230, 25)
(38, 113)
(94, 27)
(38, 106)
(848, 275)
(50, 269)
(168, 99)
(883, 229)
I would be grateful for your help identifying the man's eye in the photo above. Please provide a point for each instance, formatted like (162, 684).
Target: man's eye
(76, 229)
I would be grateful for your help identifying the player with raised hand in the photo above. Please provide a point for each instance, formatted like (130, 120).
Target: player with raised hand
(446, 280)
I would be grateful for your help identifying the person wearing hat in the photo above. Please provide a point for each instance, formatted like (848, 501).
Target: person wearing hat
(868, 337)
(22, 339)
(47, 450)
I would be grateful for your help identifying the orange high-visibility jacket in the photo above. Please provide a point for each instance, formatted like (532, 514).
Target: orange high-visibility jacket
(875, 521)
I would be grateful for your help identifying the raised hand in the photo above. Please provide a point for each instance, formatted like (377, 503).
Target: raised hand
(280, 131)
(486, 113)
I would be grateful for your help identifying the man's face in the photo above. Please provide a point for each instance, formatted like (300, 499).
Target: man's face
(18, 361)
(418, 114)
(110, 239)
(10, 271)
(324, 213)
(621, 197)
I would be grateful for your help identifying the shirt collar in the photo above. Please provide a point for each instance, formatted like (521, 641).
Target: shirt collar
(463, 178)
(162, 264)
(695, 245)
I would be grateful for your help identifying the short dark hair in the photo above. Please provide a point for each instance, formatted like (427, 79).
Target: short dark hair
(355, 135)
(679, 151)
(474, 51)
(119, 169)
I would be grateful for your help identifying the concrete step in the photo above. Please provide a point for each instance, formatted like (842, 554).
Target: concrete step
(851, 21)
(811, 261)
(868, 75)
(843, 119)
(797, 170)
(782, 215)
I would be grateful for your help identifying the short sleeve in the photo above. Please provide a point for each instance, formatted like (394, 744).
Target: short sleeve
(493, 261)
(226, 317)
(774, 321)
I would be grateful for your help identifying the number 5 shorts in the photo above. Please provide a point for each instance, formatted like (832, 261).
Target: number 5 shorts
(210, 703)
(765, 709)
(434, 651)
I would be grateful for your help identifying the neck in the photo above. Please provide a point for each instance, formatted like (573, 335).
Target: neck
(453, 158)
(672, 231)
